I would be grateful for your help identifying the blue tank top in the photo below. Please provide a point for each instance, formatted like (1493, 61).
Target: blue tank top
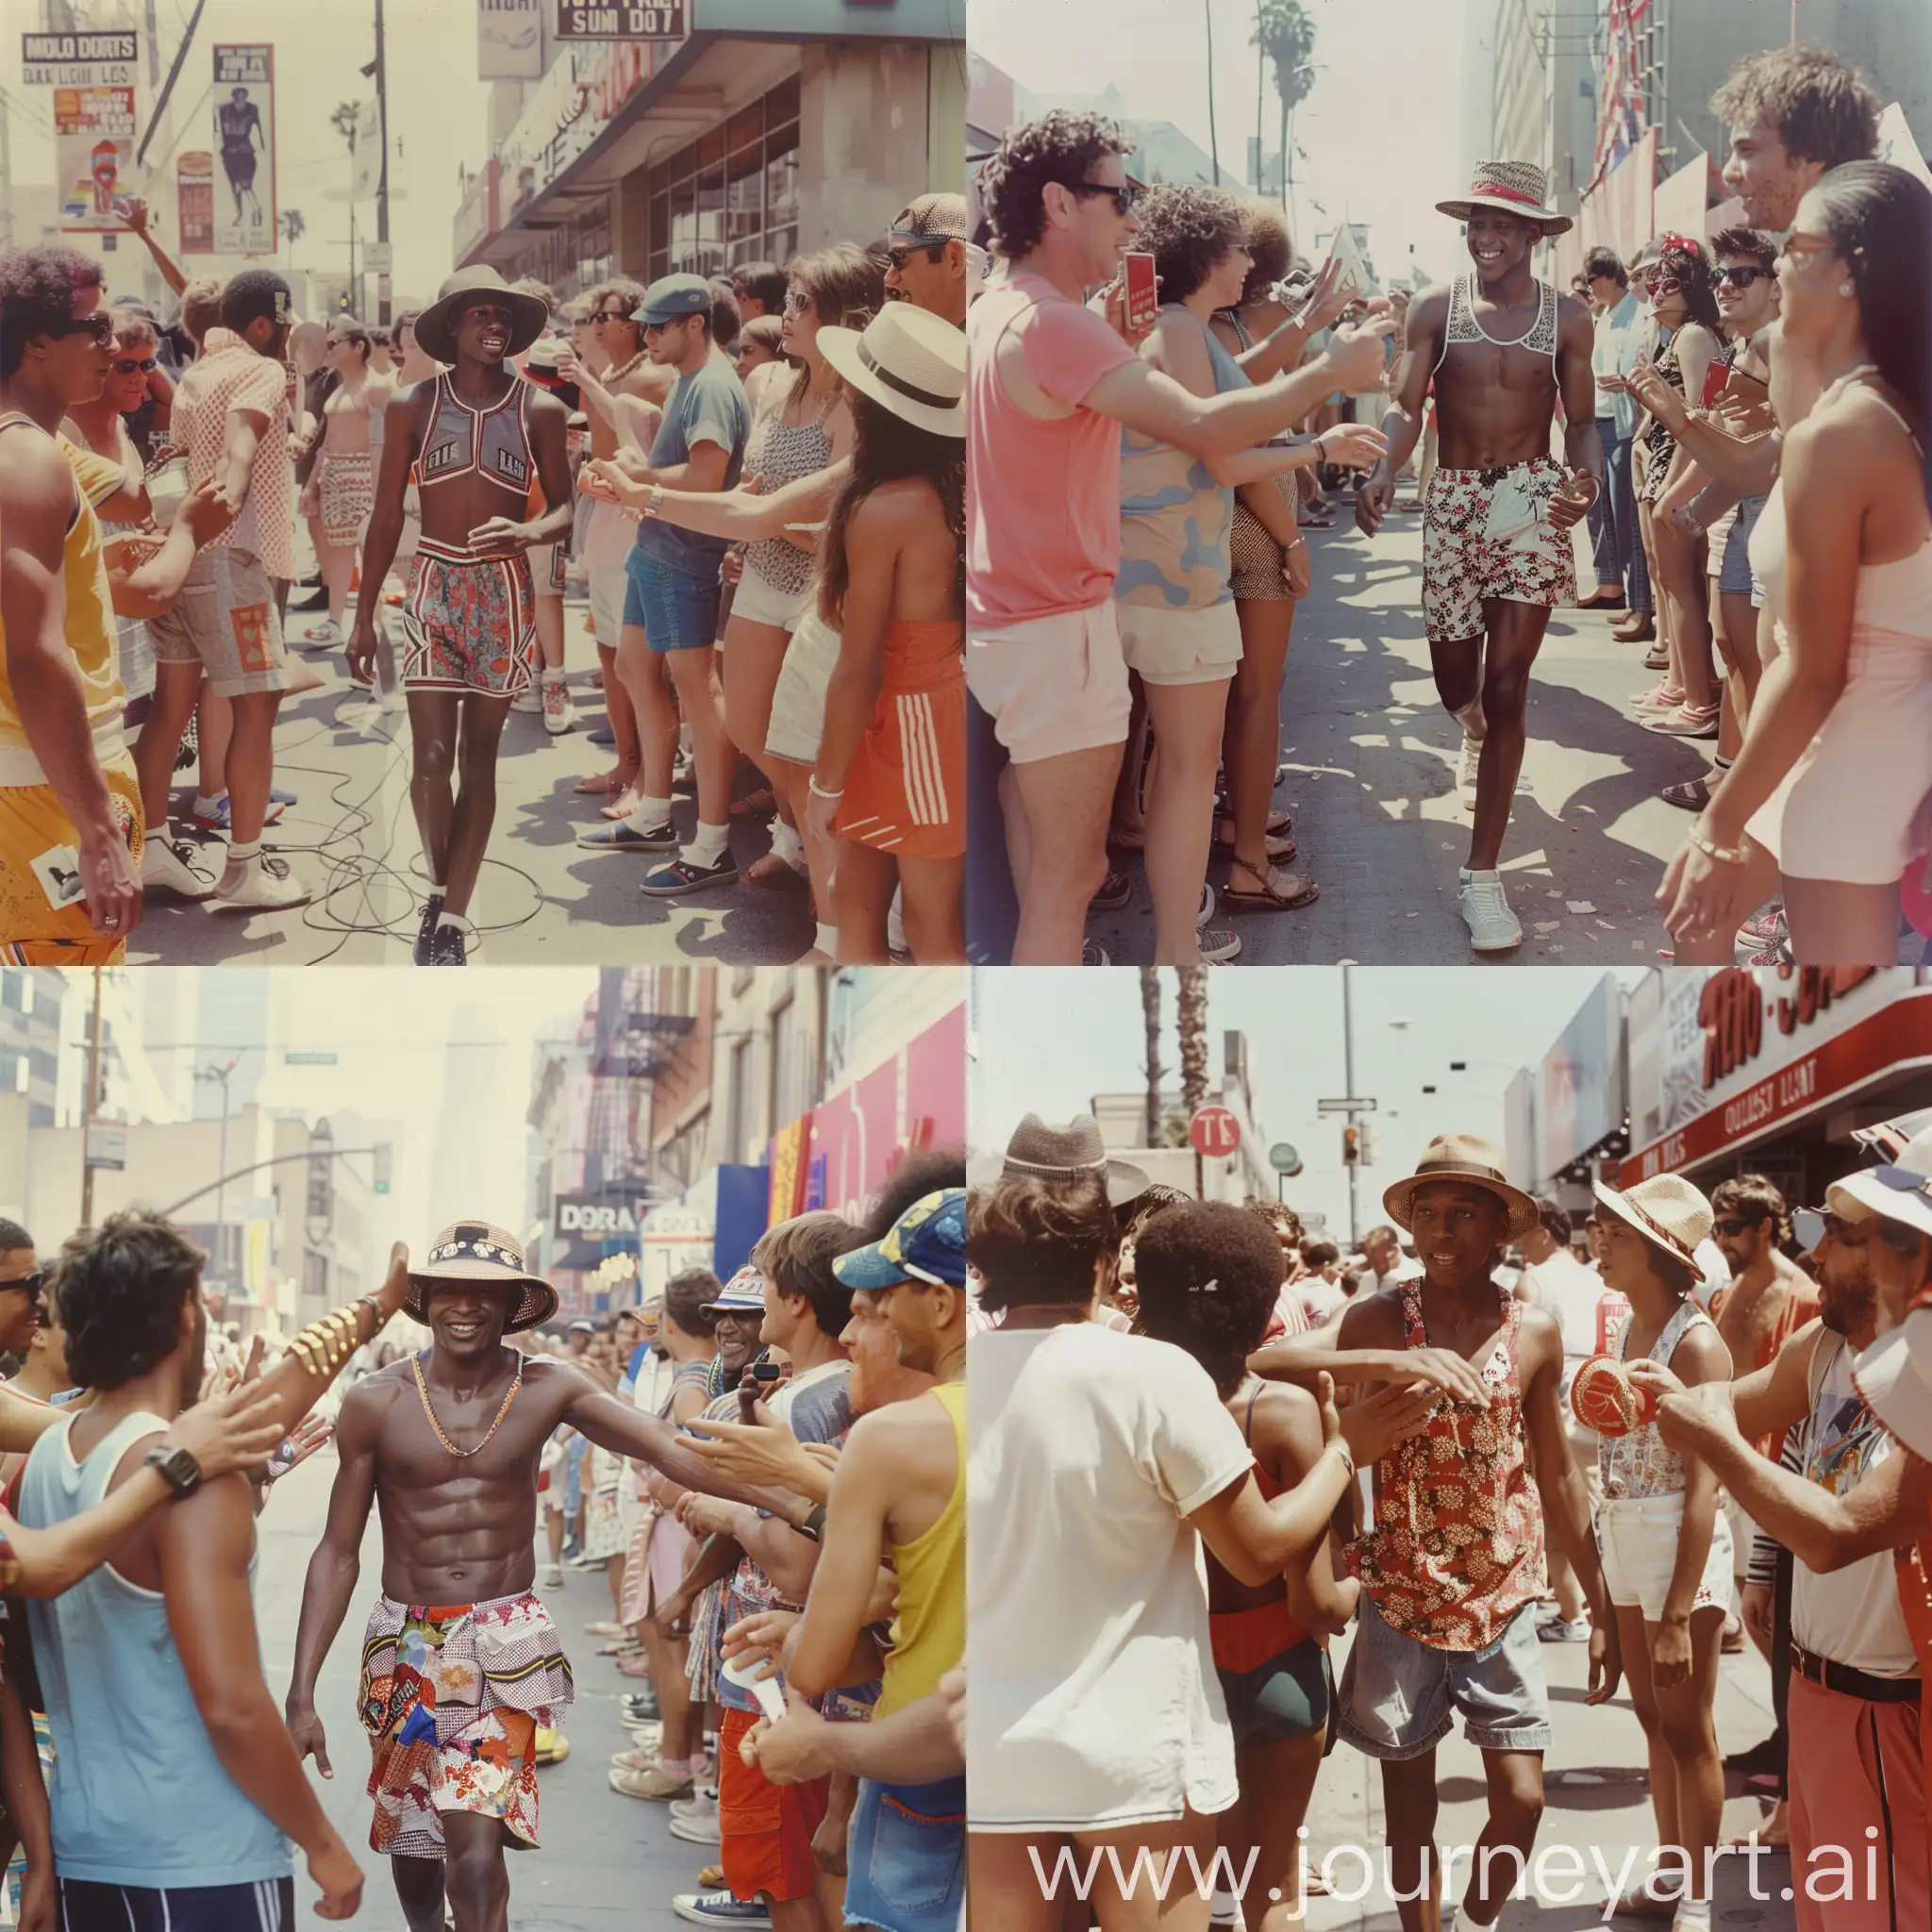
(132, 1761)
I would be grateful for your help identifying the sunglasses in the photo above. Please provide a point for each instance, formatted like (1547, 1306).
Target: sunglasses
(598, 315)
(796, 302)
(1124, 198)
(33, 1286)
(1731, 1229)
(1661, 285)
(129, 365)
(899, 256)
(1742, 277)
(100, 325)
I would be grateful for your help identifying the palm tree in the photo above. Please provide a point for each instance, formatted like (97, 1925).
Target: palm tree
(293, 228)
(1213, 133)
(1286, 35)
(1191, 1026)
(1150, 1013)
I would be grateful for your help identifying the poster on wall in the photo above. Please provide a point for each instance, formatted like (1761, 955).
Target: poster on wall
(194, 201)
(244, 128)
(93, 152)
(509, 40)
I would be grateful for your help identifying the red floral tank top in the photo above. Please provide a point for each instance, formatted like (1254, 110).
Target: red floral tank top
(1457, 1543)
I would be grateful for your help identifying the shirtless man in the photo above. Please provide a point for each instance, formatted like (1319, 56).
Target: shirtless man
(341, 490)
(475, 437)
(1499, 347)
(447, 1444)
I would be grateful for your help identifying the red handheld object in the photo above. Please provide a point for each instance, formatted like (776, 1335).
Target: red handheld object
(1603, 1398)
(1142, 290)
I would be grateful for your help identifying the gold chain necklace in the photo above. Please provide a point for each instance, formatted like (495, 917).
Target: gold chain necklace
(422, 1390)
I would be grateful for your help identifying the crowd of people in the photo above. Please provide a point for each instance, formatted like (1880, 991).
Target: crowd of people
(1126, 654)
(1205, 1451)
(755, 480)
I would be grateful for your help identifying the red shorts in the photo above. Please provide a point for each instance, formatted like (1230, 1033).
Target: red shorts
(766, 1828)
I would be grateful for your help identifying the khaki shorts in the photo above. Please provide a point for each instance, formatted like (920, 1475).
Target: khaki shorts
(1052, 685)
(548, 563)
(607, 586)
(1181, 647)
(226, 619)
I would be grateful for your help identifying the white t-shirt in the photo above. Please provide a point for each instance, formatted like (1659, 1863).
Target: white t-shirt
(1095, 1703)
(1571, 1291)
(1851, 1615)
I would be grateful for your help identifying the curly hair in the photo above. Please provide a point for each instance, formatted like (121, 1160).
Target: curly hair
(923, 1172)
(1039, 1241)
(36, 290)
(1190, 232)
(1683, 258)
(121, 1290)
(688, 1297)
(1210, 1274)
(1823, 110)
(1753, 1197)
(1059, 147)
(1286, 1223)
(1753, 242)
(1270, 246)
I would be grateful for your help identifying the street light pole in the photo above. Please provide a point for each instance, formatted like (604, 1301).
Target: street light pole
(1348, 1087)
(90, 1102)
(383, 283)
(222, 1074)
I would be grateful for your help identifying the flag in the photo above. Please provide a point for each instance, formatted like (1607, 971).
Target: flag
(1620, 107)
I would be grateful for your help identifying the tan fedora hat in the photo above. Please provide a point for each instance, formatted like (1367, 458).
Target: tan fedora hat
(1462, 1157)
(477, 1251)
(435, 328)
(1518, 188)
(1667, 1211)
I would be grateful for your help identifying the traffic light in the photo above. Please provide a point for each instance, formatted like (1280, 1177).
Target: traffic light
(1350, 1145)
(383, 1166)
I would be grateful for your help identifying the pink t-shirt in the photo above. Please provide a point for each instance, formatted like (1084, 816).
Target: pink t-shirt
(1043, 510)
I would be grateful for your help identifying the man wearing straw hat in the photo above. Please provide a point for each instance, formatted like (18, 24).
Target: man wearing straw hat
(1496, 544)
(461, 1663)
(1858, 1386)
(1452, 1565)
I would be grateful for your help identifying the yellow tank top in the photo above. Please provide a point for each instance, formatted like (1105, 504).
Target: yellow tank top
(91, 634)
(930, 1632)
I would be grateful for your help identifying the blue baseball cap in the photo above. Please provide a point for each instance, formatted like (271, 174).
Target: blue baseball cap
(671, 298)
(928, 1242)
(744, 1291)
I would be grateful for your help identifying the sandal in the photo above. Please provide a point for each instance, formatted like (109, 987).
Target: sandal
(1280, 892)
(1283, 849)
(1693, 795)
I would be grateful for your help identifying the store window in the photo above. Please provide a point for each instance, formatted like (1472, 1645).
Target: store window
(571, 259)
(731, 196)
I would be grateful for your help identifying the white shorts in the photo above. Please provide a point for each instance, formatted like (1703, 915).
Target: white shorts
(798, 699)
(1181, 647)
(1638, 1537)
(1053, 685)
(548, 563)
(759, 602)
(606, 587)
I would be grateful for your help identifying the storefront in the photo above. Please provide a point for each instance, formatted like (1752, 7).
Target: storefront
(776, 126)
(1733, 1072)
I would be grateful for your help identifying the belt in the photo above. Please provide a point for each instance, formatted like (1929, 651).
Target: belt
(1850, 1683)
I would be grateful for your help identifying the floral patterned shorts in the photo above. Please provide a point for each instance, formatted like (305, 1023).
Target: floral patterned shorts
(452, 1698)
(1487, 534)
(468, 624)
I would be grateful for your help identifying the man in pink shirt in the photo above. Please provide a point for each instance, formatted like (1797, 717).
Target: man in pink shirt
(1051, 382)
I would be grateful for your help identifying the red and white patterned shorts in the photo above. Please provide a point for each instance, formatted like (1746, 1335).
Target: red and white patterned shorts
(1487, 534)
(468, 622)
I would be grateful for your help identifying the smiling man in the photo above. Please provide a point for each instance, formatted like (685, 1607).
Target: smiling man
(447, 1444)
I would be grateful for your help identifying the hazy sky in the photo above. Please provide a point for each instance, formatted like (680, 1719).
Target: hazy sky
(1053, 1054)
(1383, 129)
(436, 112)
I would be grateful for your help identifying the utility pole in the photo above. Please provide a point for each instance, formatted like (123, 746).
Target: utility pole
(220, 1073)
(1348, 1083)
(91, 1100)
(383, 283)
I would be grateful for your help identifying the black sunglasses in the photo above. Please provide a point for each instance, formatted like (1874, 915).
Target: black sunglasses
(100, 325)
(1124, 198)
(127, 365)
(899, 256)
(33, 1286)
(1731, 1228)
(1742, 277)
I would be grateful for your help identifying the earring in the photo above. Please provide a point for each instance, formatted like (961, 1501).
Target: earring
(1846, 289)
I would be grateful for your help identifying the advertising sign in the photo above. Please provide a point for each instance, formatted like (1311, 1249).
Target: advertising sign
(94, 153)
(509, 40)
(244, 129)
(194, 201)
(1582, 1098)
(589, 1226)
(621, 20)
(78, 60)
(365, 157)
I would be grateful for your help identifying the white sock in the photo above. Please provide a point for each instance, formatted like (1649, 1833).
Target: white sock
(1693, 1915)
(553, 677)
(709, 846)
(461, 923)
(827, 939)
(208, 801)
(788, 845)
(241, 851)
(1470, 877)
(650, 814)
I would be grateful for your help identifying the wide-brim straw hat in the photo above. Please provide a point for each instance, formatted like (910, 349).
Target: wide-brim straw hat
(1061, 1154)
(435, 331)
(1518, 188)
(1667, 1211)
(1468, 1158)
(908, 360)
(480, 1252)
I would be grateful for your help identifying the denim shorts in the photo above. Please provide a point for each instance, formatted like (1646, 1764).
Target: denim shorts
(1397, 1693)
(906, 1856)
(1736, 575)
(678, 612)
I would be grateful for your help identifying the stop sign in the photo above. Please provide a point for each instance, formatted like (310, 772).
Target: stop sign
(1214, 1133)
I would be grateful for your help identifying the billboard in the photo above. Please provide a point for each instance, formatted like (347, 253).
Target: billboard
(245, 131)
(93, 155)
(78, 60)
(589, 1226)
(1582, 1097)
(509, 40)
(620, 19)
(194, 201)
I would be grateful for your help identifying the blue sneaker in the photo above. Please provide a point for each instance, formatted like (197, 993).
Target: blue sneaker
(719, 1908)
(623, 838)
(681, 876)
(277, 796)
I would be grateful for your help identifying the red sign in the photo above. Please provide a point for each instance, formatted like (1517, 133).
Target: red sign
(1731, 1009)
(1214, 1133)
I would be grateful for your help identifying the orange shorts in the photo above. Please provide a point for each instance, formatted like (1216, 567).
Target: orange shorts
(34, 825)
(766, 1828)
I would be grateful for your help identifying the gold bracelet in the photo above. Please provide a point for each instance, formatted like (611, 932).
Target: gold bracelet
(1721, 855)
(329, 1341)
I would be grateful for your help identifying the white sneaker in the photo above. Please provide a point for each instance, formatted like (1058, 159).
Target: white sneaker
(528, 701)
(559, 712)
(325, 636)
(163, 868)
(1492, 927)
(695, 1819)
(553, 1576)
(261, 884)
(1466, 770)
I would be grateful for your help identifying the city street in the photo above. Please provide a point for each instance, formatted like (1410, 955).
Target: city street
(542, 897)
(1371, 784)
(608, 1861)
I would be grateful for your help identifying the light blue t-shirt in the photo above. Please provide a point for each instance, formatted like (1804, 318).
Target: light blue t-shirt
(1622, 334)
(708, 406)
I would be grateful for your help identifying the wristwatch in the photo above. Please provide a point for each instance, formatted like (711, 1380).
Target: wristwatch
(178, 1468)
(814, 1524)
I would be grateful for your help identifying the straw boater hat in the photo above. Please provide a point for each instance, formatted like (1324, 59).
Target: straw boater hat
(1518, 188)
(435, 328)
(908, 360)
(1061, 1154)
(1894, 1374)
(1462, 1157)
(476, 1251)
(1668, 1212)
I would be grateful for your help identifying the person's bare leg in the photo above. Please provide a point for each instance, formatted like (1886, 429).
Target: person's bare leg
(1515, 636)
(933, 905)
(474, 1872)
(419, 1888)
(799, 1915)
(1515, 1780)
(642, 678)
(1739, 621)
(1128, 826)
(1681, 560)
(1186, 721)
(433, 719)
(821, 855)
(251, 763)
(753, 655)
(553, 1524)
(214, 725)
(679, 1714)
(1055, 811)
(701, 698)
(1835, 924)
(1278, 1778)
(1183, 1910)
(1409, 1801)
(623, 775)
(1632, 1630)
(862, 899)
(474, 810)
(613, 1575)
(338, 564)
(154, 750)
(1689, 1739)
(1251, 747)
(550, 632)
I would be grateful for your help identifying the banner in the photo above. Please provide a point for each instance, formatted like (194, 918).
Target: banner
(509, 40)
(1679, 200)
(93, 155)
(1896, 146)
(245, 108)
(194, 201)
(365, 157)
(620, 19)
(78, 60)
